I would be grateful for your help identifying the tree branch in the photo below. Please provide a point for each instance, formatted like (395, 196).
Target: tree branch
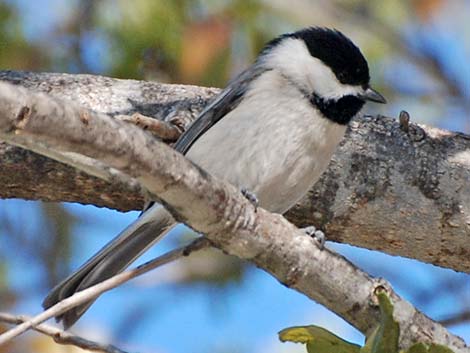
(456, 319)
(60, 336)
(404, 193)
(214, 208)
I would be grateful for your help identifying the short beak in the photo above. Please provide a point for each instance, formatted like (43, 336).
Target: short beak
(373, 96)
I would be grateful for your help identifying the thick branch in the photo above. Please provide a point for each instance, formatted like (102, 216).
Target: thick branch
(214, 208)
(403, 193)
(27, 175)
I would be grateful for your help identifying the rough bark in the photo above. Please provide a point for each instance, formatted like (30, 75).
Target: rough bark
(212, 207)
(27, 175)
(404, 193)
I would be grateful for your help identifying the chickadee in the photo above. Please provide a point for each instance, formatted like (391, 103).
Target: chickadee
(272, 130)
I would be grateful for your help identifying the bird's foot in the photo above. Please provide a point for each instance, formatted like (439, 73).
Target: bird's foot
(250, 197)
(316, 234)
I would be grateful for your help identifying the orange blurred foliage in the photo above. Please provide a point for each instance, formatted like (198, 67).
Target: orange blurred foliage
(202, 43)
(425, 9)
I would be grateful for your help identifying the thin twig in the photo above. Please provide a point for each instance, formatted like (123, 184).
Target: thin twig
(162, 129)
(94, 291)
(61, 336)
(456, 319)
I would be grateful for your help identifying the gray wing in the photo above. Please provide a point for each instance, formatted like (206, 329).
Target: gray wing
(225, 102)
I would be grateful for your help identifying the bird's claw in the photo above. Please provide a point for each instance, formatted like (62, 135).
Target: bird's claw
(316, 234)
(250, 197)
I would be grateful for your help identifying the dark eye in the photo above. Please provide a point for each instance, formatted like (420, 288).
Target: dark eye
(341, 76)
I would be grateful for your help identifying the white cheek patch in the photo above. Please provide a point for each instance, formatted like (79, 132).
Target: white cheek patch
(293, 59)
(324, 82)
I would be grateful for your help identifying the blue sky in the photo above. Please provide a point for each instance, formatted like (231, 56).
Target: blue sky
(201, 318)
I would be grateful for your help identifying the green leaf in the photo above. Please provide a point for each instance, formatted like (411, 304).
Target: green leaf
(384, 339)
(318, 340)
(432, 348)
(369, 341)
(418, 348)
(438, 348)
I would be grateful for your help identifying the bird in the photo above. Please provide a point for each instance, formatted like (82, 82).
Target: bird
(271, 132)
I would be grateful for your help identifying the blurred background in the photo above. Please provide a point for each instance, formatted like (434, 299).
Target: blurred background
(419, 55)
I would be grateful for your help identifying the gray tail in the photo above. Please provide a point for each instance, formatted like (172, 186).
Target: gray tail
(113, 258)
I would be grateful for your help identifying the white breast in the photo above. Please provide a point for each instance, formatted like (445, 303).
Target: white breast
(274, 143)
